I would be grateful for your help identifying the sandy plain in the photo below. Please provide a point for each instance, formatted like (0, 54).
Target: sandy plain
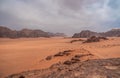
(23, 54)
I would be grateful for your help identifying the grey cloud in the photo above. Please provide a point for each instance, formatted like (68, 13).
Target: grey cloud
(78, 4)
(67, 16)
(71, 4)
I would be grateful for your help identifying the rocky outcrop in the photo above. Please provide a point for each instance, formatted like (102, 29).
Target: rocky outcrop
(33, 33)
(59, 54)
(112, 33)
(27, 33)
(99, 68)
(6, 32)
(94, 39)
(85, 34)
(75, 64)
(88, 33)
(72, 41)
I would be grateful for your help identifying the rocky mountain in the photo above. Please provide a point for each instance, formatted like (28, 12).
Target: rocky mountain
(6, 32)
(28, 33)
(85, 33)
(88, 33)
(32, 33)
(112, 33)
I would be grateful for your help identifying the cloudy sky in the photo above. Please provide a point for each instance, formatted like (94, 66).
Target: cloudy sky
(68, 16)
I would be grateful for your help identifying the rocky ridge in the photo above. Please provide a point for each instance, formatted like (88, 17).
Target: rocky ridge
(27, 33)
(81, 64)
(88, 33)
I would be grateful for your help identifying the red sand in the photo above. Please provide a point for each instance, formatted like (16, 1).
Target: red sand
(17, 55)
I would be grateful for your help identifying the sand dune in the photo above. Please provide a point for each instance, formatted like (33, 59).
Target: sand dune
(17, 55)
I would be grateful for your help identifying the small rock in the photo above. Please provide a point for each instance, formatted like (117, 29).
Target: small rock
(68, 62)
(48, 58)
(59, 54)
(68, 51)
(95, 39)
(75, 59)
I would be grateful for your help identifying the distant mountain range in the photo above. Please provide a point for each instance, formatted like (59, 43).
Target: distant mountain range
(27, 33)
(88, 33)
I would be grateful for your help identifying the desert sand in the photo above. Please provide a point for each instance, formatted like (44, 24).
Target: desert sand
(23, 54)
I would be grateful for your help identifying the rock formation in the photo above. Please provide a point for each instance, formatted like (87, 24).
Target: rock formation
(94, 39)
(99, 68)
(88, 33)
(85, 34)
(6, 32)
(27, 33)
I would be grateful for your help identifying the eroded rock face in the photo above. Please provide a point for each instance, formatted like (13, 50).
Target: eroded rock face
(27, 33)
(88, 33)
(59, 54)
(113, 33)
(33, 33)
(6, 32)
(99, 68)
(85, 34)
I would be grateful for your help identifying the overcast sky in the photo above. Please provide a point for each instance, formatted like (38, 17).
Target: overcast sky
(67, 16)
